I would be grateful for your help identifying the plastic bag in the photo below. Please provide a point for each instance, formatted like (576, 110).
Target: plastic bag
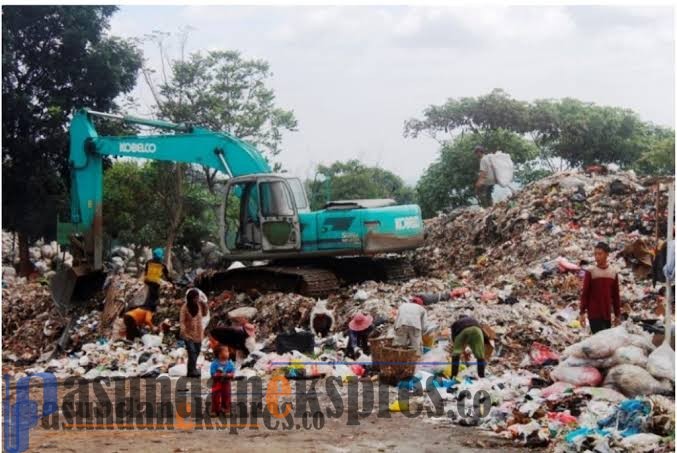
(661, 363)
(178, 370)
(577, 376)
(632, 381)
(151, 341)
(556, 390)
(503, 168)
(433, 361)
(628, 417)
(541, 354)
(600, 345)
(601, 393)
(642, 442)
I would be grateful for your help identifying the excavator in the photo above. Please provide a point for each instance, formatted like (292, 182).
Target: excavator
(303, 251)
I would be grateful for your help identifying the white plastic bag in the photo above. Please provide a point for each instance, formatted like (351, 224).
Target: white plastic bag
(178, 370)
(600, 345)
(151, 341)
(577, 375)
(433, 361)
(642, 442)
(632, 381)
(503, 168)
(661, 363)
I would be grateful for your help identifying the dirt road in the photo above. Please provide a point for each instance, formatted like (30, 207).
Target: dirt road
(373, 433)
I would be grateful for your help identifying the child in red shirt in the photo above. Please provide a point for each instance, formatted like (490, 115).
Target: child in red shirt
(601, 294)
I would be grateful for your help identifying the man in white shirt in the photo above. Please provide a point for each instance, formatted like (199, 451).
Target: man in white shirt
(410, 324)
(484, 186)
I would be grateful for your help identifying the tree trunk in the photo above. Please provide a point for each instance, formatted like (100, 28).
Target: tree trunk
(25, 266)
(177, 216)
(222, 224)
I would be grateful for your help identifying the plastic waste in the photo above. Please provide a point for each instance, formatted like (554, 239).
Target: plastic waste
(398, 406)
(628, 417)
(601, 393)
(564, 418)
(151, 341)
(361, 295)
(600, 345)
(577, 376)
(178, 370)
(434, 361)
(572, 436)
(632, 381)
(541, 354)
(557, 390)
(642, 442)
(661, 363)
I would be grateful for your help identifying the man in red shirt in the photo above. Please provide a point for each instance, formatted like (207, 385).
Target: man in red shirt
(600, 293)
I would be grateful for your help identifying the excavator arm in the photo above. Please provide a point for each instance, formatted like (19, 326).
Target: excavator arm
(180, 143)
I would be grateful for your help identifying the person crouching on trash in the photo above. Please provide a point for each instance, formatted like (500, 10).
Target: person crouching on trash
(222, 371)
(359, 329)
(466, 331)
(136, 319)
(410, 324)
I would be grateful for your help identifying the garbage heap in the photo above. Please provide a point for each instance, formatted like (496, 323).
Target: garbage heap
(563, 215)
(613, 391)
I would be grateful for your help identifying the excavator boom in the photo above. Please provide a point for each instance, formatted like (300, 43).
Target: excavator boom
(274, 220)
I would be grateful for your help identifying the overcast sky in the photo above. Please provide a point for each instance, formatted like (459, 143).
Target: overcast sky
(353, 75)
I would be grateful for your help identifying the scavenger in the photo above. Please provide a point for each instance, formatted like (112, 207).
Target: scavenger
(136, 319)
(359, 329)
(154, 273)
(467, 331)
(601, 294)
(191, 315)
(410, 324)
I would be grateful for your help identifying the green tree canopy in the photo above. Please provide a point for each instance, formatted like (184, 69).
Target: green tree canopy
(542, 136)
(354, 180)
(54, 59)
(225, 92)
(448, 182)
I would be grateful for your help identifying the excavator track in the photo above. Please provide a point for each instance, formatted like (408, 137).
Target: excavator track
(309, 281)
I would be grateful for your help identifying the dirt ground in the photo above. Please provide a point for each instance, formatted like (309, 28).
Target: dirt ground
(397, 433)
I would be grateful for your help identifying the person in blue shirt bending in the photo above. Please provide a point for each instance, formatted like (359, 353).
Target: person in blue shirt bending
(222, 371)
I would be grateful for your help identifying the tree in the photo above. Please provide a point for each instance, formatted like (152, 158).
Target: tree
(354, 180)
(55, 59)
(224, 92)
(542, 136)
(659, 155)
(138, 196)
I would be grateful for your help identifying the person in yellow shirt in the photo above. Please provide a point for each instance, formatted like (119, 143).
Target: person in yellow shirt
(154, 273)
(135, 319)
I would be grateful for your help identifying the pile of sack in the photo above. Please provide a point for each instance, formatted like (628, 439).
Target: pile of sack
(623, 358)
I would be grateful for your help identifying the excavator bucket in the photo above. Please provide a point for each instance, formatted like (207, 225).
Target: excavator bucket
(73, 285)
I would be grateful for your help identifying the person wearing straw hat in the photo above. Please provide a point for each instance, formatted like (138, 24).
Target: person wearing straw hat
(410, 324)
(359, 329)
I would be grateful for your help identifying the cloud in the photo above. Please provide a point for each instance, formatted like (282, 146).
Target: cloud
(353, 75)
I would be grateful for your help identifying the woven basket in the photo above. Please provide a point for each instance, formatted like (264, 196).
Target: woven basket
(397, 363)
(376, 345)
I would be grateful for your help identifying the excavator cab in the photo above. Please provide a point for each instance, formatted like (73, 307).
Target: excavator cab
(262, 214)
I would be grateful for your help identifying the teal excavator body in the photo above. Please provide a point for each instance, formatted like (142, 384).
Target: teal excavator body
(274, 222)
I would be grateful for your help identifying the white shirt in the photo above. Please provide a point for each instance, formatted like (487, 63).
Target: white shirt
(413, 315)
(488, 170)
